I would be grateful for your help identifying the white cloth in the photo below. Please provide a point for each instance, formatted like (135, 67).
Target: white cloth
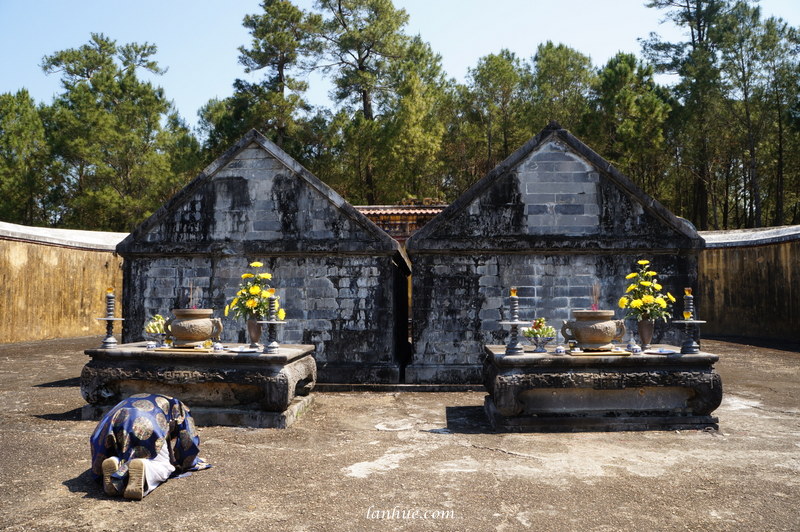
(158, 469)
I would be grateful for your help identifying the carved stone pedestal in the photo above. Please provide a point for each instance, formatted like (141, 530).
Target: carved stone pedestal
(221, 388)
(554, 393)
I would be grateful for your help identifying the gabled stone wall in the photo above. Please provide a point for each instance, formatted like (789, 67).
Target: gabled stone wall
(342, 280)
(552, 220)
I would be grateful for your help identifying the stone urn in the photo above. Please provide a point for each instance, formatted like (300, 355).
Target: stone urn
(594, 330)
(192, 327)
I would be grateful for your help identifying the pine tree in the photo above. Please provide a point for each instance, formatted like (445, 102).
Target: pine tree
(23, 157)
(559, 82)
(361, 38)
(107, 136)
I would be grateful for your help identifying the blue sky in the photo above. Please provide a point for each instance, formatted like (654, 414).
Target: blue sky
(197, 40)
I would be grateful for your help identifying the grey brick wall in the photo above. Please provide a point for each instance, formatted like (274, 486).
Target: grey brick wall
(343, 305)
(552, 220)
(342, 280)
(560, 192)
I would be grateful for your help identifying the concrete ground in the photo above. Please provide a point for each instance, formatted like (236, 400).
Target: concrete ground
(414, 461)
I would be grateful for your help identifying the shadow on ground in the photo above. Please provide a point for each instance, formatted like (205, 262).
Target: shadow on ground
(467, 420)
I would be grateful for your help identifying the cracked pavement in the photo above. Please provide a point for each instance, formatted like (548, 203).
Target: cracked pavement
(414, 461)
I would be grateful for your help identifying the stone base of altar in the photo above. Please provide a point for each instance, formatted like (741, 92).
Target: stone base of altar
(230, 417)
(233, 387)
(657, 390)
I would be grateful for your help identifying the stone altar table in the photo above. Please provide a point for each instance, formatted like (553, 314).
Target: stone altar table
(221, 388)
(543, 392)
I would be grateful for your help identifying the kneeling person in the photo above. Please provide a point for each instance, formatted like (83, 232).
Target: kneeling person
(141, 442)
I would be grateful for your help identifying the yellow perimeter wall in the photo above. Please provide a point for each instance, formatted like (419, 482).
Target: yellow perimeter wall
(51, 291)
(751, 291)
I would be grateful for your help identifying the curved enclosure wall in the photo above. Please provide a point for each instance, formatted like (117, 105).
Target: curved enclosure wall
(750, 283)
(53, 287)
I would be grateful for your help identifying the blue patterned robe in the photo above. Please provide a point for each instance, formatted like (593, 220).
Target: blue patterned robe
(139, 427)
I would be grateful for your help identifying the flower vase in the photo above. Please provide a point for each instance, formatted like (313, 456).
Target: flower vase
(254, 331)
(539, 343)
(645, 328)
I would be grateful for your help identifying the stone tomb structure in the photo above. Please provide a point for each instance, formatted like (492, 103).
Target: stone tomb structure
(342, 280)
(553, 219)
(543, 392)
(222, 388)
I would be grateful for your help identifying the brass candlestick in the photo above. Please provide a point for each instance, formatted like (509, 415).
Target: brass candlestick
(514, 347)
(109, 341)
(272, 346)
(691, 325)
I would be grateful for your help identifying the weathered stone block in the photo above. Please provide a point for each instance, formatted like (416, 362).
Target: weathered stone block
(545, 392)
(538, 209)
(569, 209)
(244, 382)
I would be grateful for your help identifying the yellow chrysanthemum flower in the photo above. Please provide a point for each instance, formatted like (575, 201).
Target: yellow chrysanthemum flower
(227, 308)
(651, 273)
(661, 302)
(671, 297)
(657, 286)
(687, 315)
(623, 302)
(281, 314)
(255, 290)
(631, 275)
(647, 299)
(256, 264)
(265, 275)
(631, 287)
(636, 303)
(643, 262)
(251, 303)
(646, 283)
(247, 275)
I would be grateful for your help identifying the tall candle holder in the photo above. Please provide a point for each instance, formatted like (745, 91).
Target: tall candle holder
(109, 341)
(514, 347)
(271, 346)
(691, 325)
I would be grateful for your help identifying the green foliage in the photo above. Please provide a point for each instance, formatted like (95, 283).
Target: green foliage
(464, 149)
(23, 157)
(412, 127)
(496, 85)
(699, 92)
(627, 119)
(731, 128)
(558, 86)
(285, 41)
(283, 37)
(720, 147)
(115, 139)
(361, 38)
